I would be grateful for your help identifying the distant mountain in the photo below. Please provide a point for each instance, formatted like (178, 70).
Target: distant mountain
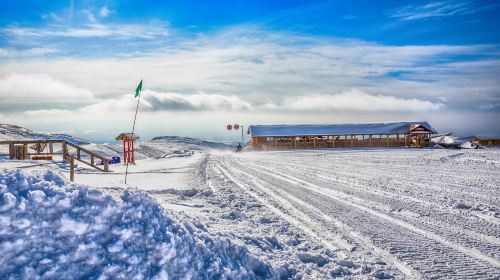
(14, 132)
(195, 142)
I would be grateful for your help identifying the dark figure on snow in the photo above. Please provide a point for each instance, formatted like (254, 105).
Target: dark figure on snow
(239, 148)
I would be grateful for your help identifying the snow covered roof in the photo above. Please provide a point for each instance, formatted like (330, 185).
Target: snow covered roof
(123, 136)
(336, 129)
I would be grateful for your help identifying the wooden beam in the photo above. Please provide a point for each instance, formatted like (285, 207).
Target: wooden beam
(64, 150)
(72, 169)
(352, 140)
(333, 141)
(11, 151)
(370, 140)
(295, 142)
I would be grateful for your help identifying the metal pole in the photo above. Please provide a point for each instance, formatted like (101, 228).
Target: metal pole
(133, 128)
(242, 141)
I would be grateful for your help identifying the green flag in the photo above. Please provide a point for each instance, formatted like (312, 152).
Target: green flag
(138, 89)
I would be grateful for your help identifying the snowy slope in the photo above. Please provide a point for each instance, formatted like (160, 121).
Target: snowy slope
(14, 132)
(158, 147)
(320, 214)
(405, 213)
(53, 230)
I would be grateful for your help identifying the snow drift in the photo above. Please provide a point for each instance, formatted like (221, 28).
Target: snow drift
(52, 230)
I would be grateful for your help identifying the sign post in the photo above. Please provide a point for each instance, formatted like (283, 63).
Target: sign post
(237, 127)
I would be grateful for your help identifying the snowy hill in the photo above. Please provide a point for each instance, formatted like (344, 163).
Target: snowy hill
(158, 147)
(195, 142)
(55, 230)
(14, 132)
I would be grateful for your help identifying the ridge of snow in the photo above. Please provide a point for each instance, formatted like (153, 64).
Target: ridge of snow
(50, 229)
(14, 132)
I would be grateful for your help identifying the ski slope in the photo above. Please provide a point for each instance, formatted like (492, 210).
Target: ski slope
(321, 214)
(426, 213)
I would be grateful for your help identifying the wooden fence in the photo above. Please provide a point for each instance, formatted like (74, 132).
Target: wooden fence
(21, 149)
(337, 141)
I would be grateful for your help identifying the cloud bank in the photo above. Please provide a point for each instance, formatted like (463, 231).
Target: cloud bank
(358, 101)
(40, 88)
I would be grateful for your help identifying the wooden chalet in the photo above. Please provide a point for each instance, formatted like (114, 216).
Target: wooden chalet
(304, 136)
(488, 140)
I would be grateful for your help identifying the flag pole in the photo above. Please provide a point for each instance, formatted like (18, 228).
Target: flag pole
(133, 127)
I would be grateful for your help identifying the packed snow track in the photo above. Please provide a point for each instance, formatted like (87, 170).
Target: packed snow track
(427, 213)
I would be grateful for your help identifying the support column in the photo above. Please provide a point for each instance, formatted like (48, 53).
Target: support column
(124, 151)
(64, 150)
(71, 169)
(314, 142)
(333, 141)
(132, 144)
(388, 140)
(11, 151)
(295, 142)
(352, 140)
(370, 140)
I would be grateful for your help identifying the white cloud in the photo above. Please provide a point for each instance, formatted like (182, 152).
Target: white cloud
(444, 8)
(40, 88)
(194, 102)
(157, 101)
(281, 76)
(104, 11)
(93, 29)
(89, 15)
(355, 100)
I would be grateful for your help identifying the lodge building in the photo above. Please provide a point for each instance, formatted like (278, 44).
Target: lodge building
(304, 136)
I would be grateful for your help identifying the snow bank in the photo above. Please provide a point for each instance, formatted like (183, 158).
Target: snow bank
(52, 230)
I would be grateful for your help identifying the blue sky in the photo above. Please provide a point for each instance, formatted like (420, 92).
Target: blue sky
(208, 63)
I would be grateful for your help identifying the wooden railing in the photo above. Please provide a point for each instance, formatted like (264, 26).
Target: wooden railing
(48, 145)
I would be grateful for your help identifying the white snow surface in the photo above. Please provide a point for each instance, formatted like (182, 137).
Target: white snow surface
(13, 132)
(50, 229)
(312, 214)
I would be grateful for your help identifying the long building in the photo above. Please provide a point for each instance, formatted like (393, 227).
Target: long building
(301, 136)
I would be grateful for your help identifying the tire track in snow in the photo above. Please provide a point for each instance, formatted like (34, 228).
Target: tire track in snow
(358, 203)
(415, 171)
(487, 225)
(289, 218)
(444, 226)
(363, 241)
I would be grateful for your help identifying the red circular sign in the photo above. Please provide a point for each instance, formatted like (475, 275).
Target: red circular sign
(236, 126)
(229, 127)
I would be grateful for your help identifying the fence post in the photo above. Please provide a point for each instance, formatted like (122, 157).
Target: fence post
(64, 151)
(72, 169)
(11, 150)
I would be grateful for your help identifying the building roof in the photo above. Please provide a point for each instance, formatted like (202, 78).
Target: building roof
(336, 129)
(127, 135)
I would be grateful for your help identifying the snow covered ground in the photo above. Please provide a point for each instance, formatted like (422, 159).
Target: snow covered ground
(52, 230)
(405, 213)
(363, 214)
